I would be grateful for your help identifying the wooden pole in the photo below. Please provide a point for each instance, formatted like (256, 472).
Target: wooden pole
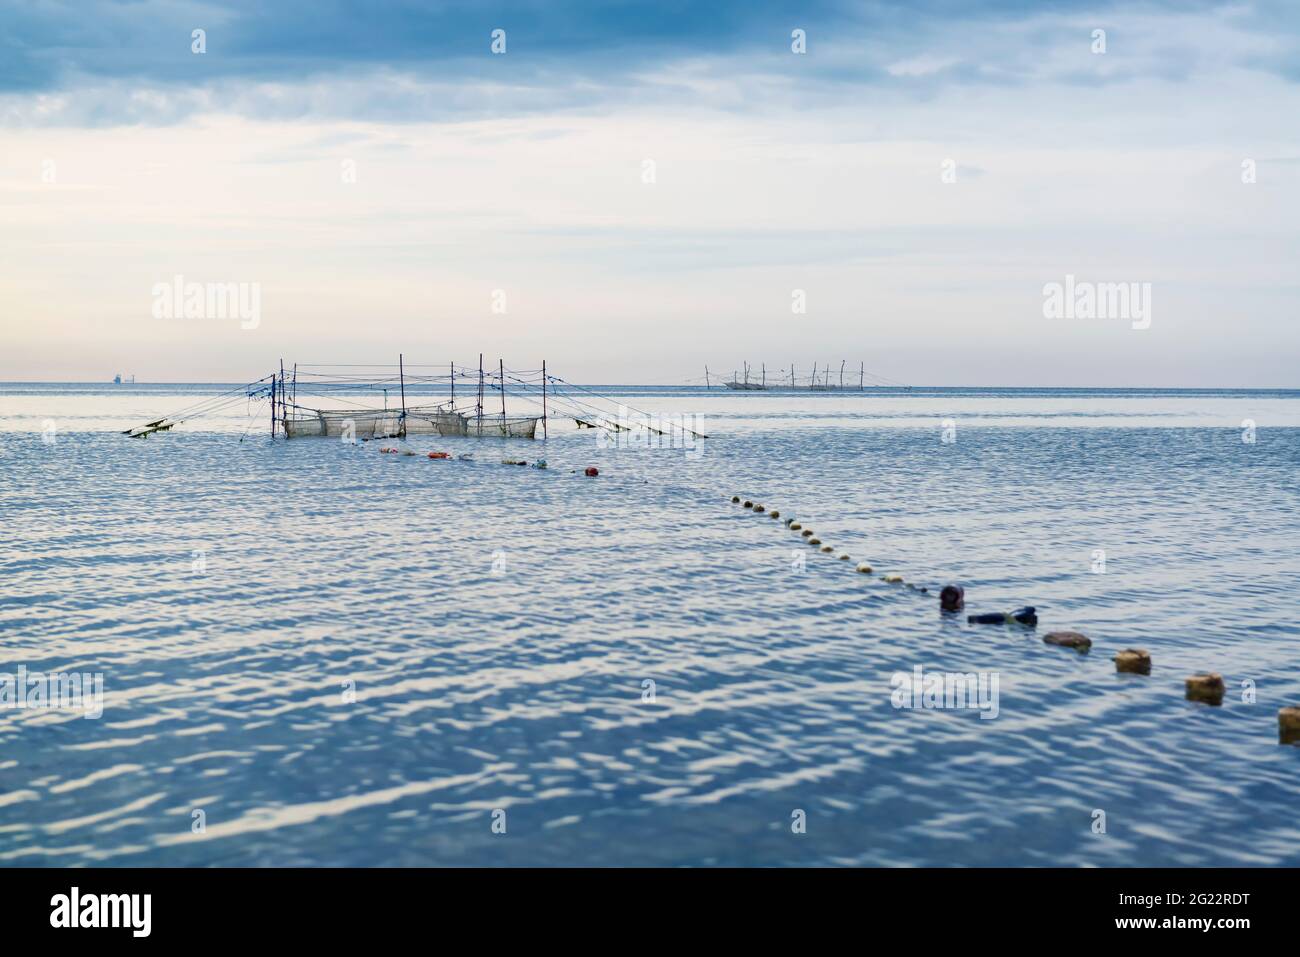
(284, 413)
(544, 432)
(453, 386)
(272, 405)
(706, 378)
(862, 375)
(764, 375)
(502, 373)
(842, 361)
(479, 407)
(401, 377)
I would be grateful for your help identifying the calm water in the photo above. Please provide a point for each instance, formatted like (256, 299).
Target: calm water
(499, 625)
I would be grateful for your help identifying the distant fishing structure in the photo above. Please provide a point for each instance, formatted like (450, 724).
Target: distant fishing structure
(819, 381)
(363, 402)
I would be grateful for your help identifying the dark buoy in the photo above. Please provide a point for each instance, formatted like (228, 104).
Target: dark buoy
(746, 504)
(1206, 687)
(775, 514)
(593, 471)
(814, 541)
(759, 508)
(735, 499)
(806, 532)
(1069, 639)
(1133, 661)
(952, 598)
(1021, 616)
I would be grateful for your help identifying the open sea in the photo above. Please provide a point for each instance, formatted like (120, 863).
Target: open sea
(316, 654)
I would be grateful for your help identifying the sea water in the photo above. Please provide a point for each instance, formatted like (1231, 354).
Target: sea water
(315, 653)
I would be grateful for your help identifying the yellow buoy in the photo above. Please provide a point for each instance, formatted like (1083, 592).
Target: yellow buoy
(795, 526)
(1288, 726)
(1206, 687)
(865, 568)
(893, 579)
(775, 513)
(1133, 661)
(759, 508)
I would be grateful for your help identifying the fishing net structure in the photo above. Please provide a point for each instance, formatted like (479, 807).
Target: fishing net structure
(362, 402)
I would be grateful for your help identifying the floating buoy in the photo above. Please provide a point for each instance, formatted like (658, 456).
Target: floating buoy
(952, 598)
(759, 508)
(1021, 616)
(1206, 687)
(735, 500)
(747, 504)
(795, 526)
(865, 568)
(845, 558)
(827, 548)
(814, 541)
(892, 578)
(439, 455)
(593, 471)
(806, 532)
(1133, 661)
(1069, 639)
(1288, 726)
(775, 513)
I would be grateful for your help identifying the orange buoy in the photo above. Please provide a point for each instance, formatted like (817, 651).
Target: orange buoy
(591, 470)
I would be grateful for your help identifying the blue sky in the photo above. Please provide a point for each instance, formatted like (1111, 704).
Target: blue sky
(646, 187)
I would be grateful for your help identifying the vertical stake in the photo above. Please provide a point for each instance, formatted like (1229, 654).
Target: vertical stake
(401, 377)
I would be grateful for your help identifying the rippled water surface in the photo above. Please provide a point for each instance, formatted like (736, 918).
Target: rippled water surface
(498, 627)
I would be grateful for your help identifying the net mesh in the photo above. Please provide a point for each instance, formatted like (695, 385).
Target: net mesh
(382, 424)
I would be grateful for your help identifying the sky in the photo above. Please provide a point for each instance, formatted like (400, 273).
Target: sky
(635, 191)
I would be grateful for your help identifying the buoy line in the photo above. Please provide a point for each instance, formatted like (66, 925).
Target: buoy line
(1207, 687)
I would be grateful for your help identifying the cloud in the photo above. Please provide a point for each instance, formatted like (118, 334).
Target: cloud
(109, 63)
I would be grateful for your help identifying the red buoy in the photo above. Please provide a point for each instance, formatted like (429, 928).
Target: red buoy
(591, 470)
